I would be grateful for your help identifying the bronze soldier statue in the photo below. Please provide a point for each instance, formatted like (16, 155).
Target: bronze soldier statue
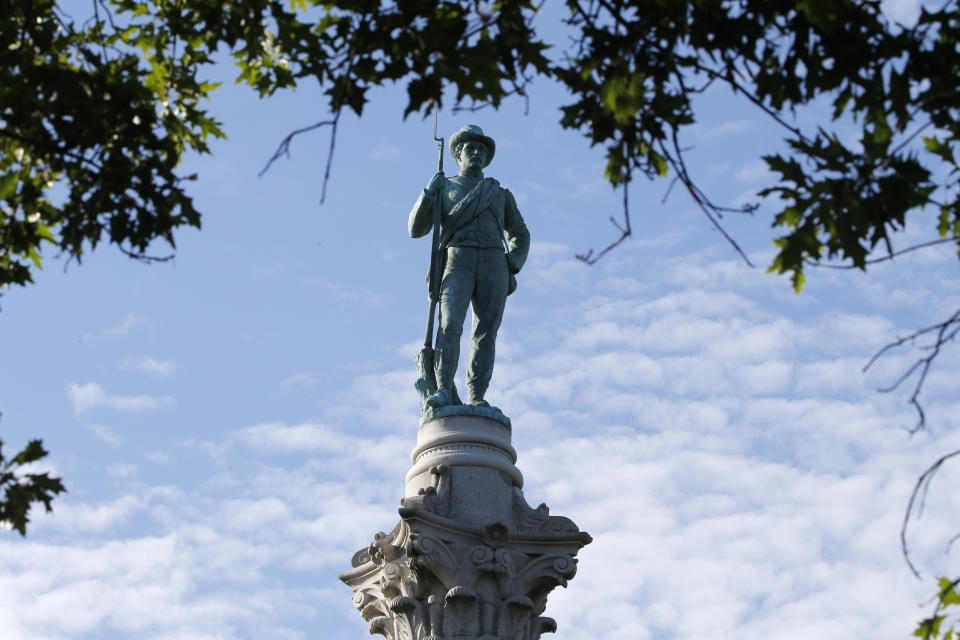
(479, 220)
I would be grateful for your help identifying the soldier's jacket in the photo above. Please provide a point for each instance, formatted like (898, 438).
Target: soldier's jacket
(481, 220)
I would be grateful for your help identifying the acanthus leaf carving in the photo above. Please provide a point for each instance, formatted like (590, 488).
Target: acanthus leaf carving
(382, 626)
(431, 579)
(410, 621)
(542, 625)
(539, 520)
(557, 568)
(515, 619)
(461, 612)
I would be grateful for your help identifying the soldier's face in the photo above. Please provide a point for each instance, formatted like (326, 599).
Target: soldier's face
(473, 155)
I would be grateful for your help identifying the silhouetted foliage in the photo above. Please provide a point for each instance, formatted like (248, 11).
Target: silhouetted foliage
(97, 111)
(22, 489)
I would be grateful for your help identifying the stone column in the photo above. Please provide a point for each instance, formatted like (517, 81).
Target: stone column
(469, 559)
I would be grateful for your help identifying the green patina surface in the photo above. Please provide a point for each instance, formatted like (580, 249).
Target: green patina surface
(480, 244)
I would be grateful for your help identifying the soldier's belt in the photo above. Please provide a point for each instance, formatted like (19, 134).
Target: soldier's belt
(477, 236)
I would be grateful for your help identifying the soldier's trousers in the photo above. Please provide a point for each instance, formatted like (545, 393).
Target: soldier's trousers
(476, 277)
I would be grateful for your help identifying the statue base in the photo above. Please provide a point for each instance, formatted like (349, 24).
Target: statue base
(494, 413)
(469, 559)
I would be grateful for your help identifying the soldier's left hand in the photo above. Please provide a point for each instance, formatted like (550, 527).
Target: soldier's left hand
(512, 263)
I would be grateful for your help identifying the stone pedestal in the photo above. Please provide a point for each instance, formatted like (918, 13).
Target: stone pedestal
(469, 559)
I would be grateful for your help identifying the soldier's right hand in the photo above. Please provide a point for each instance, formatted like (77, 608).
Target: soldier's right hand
(436, 182)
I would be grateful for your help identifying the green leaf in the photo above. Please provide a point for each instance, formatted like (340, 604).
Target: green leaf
(21, 490)
(661, 164)
(797, 279)
(8, 185)
(44, 232)
(940, 148)
(948, 592)
(34, 255)
(929, 627)
(31, 453)
(943, 221)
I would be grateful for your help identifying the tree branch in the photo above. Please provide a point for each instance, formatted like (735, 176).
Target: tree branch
(945, 332)
(907, 140)
(917, 499)
(930, 625)
(283, 149)
(143, 257)
(890, 256)
(624, 229)
(700, 198)
(50, 148)
(615, 13)
(583, 15)
(752, 98)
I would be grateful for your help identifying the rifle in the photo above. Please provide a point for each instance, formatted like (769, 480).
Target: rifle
(426, 384)
(435, 259)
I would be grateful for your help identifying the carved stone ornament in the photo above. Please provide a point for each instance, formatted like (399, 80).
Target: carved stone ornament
(469, 559)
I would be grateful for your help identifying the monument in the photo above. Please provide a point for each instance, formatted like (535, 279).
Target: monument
(469, 559)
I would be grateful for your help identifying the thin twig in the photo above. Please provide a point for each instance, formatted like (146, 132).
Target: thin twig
(107, 11)
(624, 229)
(615, 13)
(929, 623)
(283, 149)
(583, 14)
(669, 189)
(752, 98)
(946, 331)
(907, 141)
(698, 196)
(326, 171)
(475, 106)
(891, 256)
(143, 257)
(919, 491)
(951, 541)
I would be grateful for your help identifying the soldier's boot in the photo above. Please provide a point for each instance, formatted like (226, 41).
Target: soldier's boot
(441, 398)
(475, 393)
(480, 370)
(446, 393)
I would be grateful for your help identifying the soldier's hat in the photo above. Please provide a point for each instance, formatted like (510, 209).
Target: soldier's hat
(472, 132)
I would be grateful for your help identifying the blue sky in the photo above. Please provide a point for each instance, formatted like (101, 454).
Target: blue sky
(234, 424)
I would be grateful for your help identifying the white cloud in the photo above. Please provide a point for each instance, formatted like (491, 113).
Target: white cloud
(767, 377)
(355, 295)
(724, 129)
(690, 529)
(737, 472)
(91, 395)
(71, 516)
(303, 437)
(754, 171)
(130, 322)
(121, 470)
(144, 364)
(157, 457)
(757, 542)
(623, 286)
(44, 465)
(105, 434)
(303, 380)
(147, 588)
(385, 151)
